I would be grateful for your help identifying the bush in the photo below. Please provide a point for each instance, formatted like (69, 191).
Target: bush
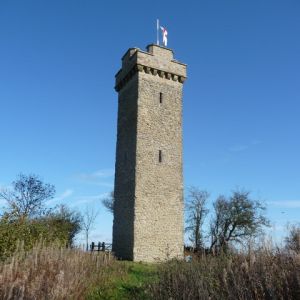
(59, 226)
(26, 217)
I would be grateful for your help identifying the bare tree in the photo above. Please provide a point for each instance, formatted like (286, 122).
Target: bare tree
(236, 218)
(109, 202)
(216, 225)
(292, 241)
(89, 217)
(196, 213)
(28, 196)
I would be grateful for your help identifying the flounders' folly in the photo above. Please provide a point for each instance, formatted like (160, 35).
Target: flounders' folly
(148, 210)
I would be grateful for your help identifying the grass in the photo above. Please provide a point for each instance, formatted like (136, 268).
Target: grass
(55, 273)
(261, 275)
(51, 272)
(132, 283)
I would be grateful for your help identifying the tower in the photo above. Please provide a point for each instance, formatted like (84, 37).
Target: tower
(148, 210)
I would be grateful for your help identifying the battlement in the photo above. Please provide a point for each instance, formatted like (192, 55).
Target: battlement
(156, 61)
(163, 52)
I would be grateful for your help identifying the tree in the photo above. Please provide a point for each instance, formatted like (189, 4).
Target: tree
(196, 211)
(235, 219)
(292, 241)
(28, 197)
(109, 202)
(89, 218)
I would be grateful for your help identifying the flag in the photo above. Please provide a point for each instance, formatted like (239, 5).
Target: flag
(164, 34)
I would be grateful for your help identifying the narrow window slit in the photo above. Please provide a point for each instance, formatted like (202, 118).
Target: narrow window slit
(160, 156)
(160, 97)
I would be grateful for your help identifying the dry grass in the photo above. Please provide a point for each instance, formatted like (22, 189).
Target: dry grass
(56, 273)
(52, 273)
(263, 275)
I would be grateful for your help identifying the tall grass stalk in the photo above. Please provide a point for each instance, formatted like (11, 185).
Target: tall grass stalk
(259, 275)
(51, 272)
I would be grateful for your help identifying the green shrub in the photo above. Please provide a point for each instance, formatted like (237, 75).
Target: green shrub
(60, 226)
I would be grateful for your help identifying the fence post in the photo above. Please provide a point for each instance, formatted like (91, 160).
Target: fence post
(92, 246)
(103, 246)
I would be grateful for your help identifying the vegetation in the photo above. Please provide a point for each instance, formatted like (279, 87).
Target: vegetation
(28, 196)
(196, 213)
(109, 202)
(293, 239)
(27, 219)
(36, 264)
(259, 275)
(89, 217)
(234, 219)
(127, 280)
(60, 226)
(51, 272)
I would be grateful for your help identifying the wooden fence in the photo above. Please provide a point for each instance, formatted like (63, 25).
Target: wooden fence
(105, 247)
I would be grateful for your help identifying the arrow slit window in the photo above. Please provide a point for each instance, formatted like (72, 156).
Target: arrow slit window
(160, 156)
(160, 98)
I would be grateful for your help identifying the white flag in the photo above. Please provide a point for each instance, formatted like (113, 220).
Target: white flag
(164, 34)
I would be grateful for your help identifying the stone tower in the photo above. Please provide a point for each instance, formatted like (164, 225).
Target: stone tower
(148, 212)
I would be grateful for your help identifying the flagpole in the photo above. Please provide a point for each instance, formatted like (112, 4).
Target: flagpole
(157, 29)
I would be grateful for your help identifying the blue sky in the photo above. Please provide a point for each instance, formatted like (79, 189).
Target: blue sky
(241, 100)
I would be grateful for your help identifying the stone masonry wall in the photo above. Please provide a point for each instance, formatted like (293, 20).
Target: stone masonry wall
(158, 227)
(125, 171)
(148, 217)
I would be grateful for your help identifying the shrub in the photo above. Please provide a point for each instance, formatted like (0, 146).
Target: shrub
(59, 226)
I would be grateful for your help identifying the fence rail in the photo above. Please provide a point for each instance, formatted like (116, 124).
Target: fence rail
(104, 247)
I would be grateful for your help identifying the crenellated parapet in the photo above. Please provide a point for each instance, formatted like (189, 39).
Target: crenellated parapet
(152, 62)
(148, 70)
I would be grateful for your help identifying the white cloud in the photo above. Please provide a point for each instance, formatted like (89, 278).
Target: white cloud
(256, 142)
(286, 204)
(243, 147)
(67, 193)
(97, 178)
(238, 148)
(88, 199)
(104, 173)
